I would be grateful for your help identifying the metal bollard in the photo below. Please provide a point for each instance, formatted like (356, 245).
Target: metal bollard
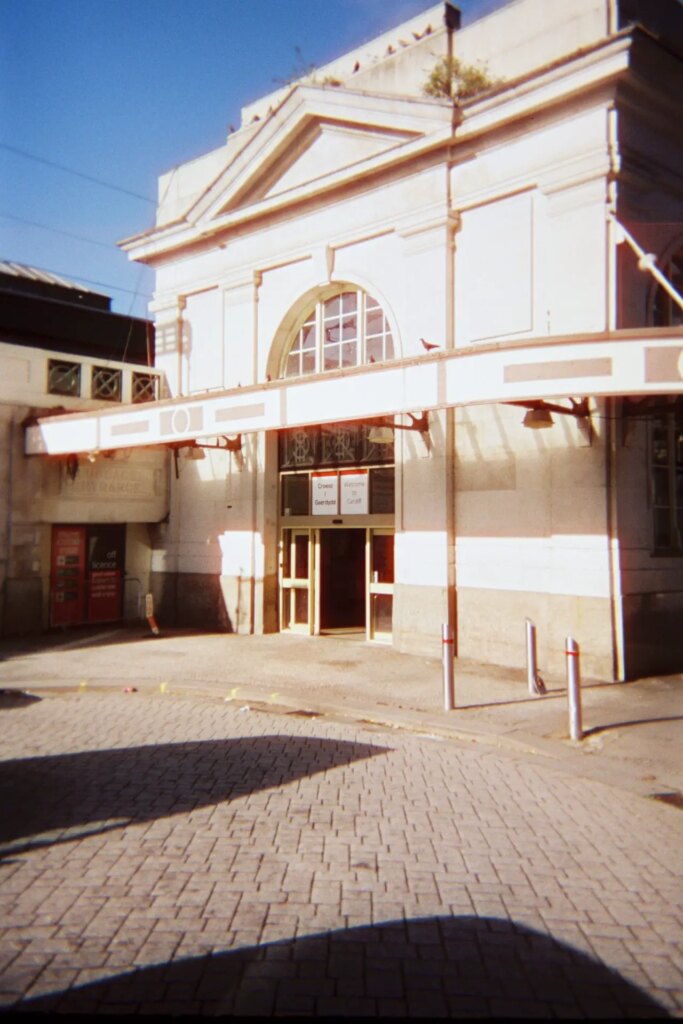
(447, 645)
(573, 689)
(534, 681)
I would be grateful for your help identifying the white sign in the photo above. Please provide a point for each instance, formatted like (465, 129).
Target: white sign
(354, 493)
(324, 494)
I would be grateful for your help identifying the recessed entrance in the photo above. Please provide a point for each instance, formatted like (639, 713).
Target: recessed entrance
(337, 580)
(342, 579)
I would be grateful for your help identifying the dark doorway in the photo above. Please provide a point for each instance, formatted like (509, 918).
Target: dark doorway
(87, 571)
(342, 579)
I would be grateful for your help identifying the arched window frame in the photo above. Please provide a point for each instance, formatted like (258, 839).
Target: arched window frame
(344, 328)
(664, 311)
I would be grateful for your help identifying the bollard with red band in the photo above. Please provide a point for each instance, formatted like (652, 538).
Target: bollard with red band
(448, 648)
(573, 689)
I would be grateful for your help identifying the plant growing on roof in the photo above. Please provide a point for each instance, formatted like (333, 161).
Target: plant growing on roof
(452, 78)
(301, 69)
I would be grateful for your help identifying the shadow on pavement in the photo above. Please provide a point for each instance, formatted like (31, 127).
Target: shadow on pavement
(10, 699)
(427, 967)
(56, 798)
(624, 725)
(82, 637)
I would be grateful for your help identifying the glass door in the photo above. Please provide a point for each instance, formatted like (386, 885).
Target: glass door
(296, 590)
(380, 604)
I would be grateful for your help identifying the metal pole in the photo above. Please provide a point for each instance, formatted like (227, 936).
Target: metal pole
(448, 668)
(531, 670)
(573, 689)
(535, 683)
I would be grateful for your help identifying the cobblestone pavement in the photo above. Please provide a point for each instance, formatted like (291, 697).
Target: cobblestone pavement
(180, 855)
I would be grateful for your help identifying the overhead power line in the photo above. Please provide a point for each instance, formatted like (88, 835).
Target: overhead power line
(78, 174)
(57, 231)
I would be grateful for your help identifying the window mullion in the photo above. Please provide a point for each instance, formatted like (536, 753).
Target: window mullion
(319, 337)
(360, 355)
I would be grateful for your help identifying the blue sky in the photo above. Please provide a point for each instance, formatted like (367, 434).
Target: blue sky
(123, 90)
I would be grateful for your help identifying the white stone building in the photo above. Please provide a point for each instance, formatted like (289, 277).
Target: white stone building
(305, 268)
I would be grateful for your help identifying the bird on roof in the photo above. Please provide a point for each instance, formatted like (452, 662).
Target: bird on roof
(390, 50)
(356, 67)
(417, 35)
(428, 345)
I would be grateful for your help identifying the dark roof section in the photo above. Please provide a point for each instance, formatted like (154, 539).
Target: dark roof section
(41, 310)
(663, 19)
(33, 281)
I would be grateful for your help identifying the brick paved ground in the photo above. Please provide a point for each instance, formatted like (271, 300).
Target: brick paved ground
(180, 855)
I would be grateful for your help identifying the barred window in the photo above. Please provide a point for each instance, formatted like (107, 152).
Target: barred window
(346, 329)
(666, 450)
(144, 387)
(106, 383)
(666, 312)
(63, 378)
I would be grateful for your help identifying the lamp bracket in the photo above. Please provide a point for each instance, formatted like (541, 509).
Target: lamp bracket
(579, 408)
(420, 423)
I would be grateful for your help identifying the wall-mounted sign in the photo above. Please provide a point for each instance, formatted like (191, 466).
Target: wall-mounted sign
(353, 492)
(324, 494)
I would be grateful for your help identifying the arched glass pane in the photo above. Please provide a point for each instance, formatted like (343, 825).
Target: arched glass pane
(301, 358)
(666, 312)
(354, 329)
(340, 331)
(379, 343)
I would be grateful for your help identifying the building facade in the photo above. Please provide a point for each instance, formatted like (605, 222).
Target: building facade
(369, 302)
(74, 544)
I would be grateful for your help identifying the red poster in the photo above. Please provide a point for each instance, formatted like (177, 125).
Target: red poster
(67, 582)
(105, 595)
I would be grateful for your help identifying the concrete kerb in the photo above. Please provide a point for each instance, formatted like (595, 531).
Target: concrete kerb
(215, 667)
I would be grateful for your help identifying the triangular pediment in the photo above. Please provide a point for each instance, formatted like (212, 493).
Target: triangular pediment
(316, 133)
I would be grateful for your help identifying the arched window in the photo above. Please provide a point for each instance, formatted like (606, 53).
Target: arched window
(345, 329)
(665, 311)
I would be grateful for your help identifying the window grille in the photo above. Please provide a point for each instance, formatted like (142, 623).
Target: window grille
(63, 378)
(106, 383)
(333, 444)
(666, 454)
(144, 387)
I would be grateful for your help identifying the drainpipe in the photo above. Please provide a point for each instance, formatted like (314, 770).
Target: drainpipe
(452, 226)
(256, 442)
(611, 407)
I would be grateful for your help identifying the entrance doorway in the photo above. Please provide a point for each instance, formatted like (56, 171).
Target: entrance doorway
(342, 579)
(334, 580)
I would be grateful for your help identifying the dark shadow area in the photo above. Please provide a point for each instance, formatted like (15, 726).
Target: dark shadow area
(92, 636)
(60, 798)
(10, 699)
(426, 967)
(672, 799)
(625, 725)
